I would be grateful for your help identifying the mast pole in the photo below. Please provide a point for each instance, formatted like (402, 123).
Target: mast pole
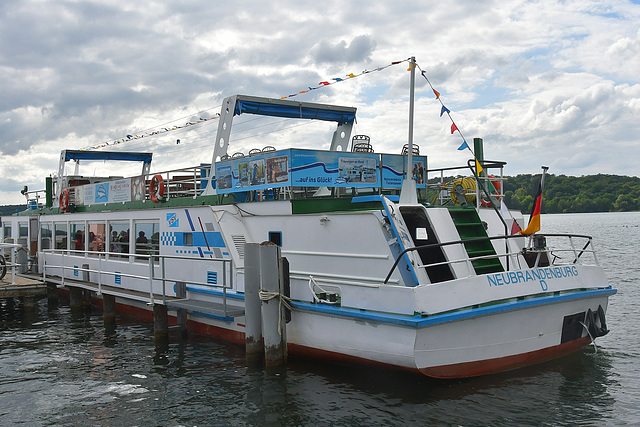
(408, 194)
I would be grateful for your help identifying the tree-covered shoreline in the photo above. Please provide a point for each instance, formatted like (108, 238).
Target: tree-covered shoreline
(562, 194)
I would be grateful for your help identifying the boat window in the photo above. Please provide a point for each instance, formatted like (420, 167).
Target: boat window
(77, 236)
(96, 236)
(187, 239)
(147, 239)
(119, 238)
(7, 232)
(23, 229)
(60, 229)
(45, 235)
(275, 237)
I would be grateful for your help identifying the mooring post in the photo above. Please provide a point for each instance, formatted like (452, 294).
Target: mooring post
(109, 309)
(272, 313)
(75, 298)
(181, 313)
(160, 322)
(29, 303)
(52, 293)
(252, 310)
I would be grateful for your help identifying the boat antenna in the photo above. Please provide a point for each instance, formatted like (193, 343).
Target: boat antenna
(408, 193)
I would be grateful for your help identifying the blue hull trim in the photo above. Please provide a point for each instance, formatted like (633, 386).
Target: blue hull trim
(418, 321)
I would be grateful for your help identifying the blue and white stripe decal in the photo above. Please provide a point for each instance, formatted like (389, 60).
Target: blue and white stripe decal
(189, 219)
(418, 321)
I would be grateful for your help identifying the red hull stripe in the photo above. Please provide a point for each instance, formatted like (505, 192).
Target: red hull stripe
(507, 363)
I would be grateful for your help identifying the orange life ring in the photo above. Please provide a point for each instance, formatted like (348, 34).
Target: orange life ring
(498, 187)
(156, 189)
(64, 200)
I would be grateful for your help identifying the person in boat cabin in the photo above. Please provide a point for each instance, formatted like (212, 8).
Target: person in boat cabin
(141, 243)
(115, 245)
(79, 241)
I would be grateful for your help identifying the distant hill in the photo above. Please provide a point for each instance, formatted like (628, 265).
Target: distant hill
(563, 194)
(11, 209)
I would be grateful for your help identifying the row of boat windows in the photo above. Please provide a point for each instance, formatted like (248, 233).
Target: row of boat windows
(113, 237)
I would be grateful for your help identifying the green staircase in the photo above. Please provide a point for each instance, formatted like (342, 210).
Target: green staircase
(469, 226)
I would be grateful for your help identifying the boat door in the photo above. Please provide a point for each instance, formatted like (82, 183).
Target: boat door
(412, 276)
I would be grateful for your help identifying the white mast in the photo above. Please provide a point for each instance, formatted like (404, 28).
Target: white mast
(408, 194)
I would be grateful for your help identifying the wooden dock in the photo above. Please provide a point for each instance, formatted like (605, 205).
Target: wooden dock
(21, 287)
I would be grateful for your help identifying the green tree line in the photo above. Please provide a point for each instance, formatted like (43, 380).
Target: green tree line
(564, 194)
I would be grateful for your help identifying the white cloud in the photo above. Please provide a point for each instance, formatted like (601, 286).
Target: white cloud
(543, 82)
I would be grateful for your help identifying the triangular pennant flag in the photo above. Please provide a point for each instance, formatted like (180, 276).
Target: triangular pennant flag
(453, 128)
(351, 75)
(437, 94)
(444, 110)
(478, 168)
(463, 146)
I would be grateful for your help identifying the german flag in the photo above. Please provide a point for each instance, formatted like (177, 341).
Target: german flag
(534, 218)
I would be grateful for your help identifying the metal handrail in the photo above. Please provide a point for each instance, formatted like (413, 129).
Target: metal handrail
(506, 254)
(226, 265)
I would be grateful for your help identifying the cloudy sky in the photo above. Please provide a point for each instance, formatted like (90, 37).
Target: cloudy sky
(545, 82)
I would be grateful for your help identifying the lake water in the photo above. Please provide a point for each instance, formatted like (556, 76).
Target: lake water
(61, 369)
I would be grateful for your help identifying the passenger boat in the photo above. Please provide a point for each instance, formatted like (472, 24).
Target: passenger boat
(386, 266)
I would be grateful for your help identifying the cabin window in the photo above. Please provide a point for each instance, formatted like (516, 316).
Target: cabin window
(45, 235)
(119, 238)
(275, 237)
(187, 239)
(60, 233)
(77, 236)
(23, 230)
(6, 232)
(147, 239)
(96, 236)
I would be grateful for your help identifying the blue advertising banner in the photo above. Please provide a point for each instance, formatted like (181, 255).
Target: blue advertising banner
(268, 170)
(394, 167)
(311, 168)
(315, 168)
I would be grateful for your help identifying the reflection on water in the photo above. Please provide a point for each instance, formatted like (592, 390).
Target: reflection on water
(62, 369)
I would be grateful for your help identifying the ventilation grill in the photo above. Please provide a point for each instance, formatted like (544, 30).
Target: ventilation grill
(212, 278)
(239, 241)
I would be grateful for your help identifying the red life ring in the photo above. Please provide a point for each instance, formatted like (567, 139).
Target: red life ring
(498, 187)
(64, 200)
(156, 189)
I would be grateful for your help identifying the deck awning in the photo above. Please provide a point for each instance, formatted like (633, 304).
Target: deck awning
(107, 155)
(296, 111)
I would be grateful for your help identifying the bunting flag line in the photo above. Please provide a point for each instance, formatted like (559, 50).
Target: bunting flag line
(454, 127)
(217, 116)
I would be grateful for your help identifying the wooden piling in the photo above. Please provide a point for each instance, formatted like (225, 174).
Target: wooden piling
(52, 293)
(160, 322)
(109, 309)
(181, 313)
(252, 304)
(28, 303)
(75, 298)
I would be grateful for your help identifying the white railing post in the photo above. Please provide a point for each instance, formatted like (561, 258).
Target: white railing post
(151, 299)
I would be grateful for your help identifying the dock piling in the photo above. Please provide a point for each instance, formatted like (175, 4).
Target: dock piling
(252, 308)
(181, 313)
(75, 298)
(160, 322)
(274, 331)
(109, 309)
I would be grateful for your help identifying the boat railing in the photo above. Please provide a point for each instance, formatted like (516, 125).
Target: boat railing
(440, 189)
(184, 182)
(12, 248)
(565, 250)
(156, 271)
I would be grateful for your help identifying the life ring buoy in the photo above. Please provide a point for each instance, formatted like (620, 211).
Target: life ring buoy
(64, 200)
(156, 189)
(496, 195)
